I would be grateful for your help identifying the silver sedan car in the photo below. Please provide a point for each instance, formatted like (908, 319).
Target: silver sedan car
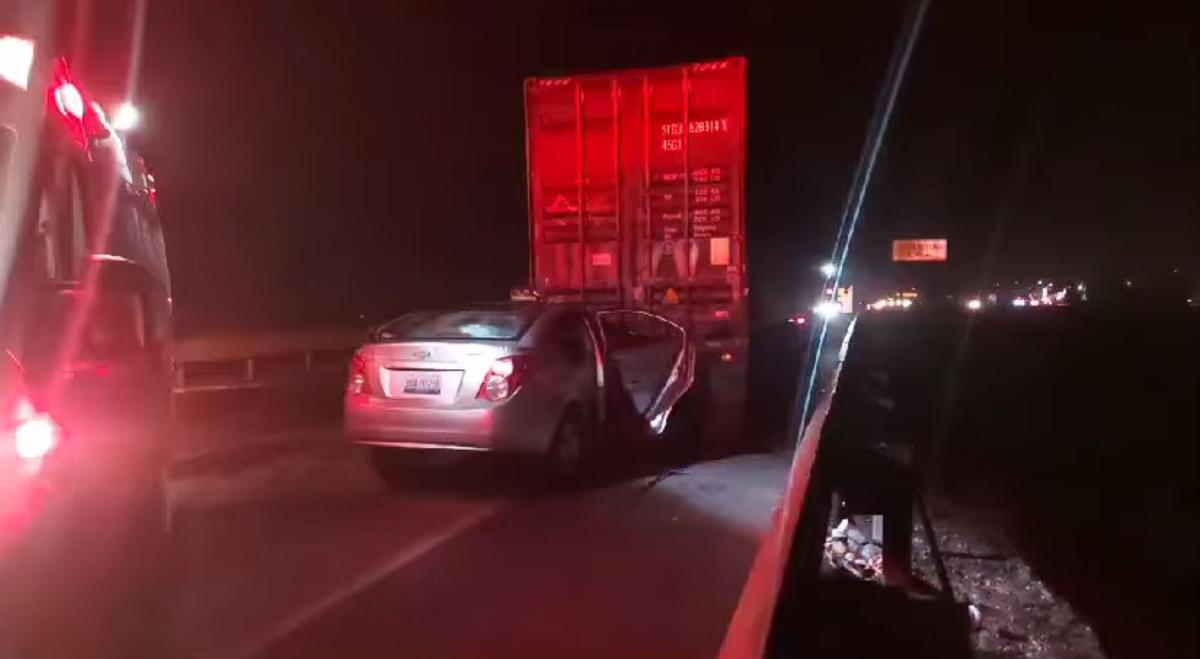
(529, 378)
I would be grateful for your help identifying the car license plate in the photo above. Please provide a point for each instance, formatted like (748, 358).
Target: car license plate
(425, 384)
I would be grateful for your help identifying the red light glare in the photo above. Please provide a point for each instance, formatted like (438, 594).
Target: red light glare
(727, 357)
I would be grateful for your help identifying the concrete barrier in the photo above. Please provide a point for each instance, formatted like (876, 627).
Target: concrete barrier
(750, 626)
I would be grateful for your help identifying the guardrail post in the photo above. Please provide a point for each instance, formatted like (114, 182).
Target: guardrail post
(308, 361)
(248, 375)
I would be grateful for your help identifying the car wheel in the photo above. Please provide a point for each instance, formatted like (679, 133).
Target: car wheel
(568, 458)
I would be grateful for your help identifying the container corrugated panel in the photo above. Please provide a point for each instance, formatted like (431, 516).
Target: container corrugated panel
(636, 184)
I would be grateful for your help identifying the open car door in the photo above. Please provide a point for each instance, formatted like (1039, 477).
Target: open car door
(654, 360)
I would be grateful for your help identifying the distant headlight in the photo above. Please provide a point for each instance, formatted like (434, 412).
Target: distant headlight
(828, 309)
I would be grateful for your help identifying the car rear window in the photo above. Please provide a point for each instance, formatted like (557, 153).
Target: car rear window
(487, 324)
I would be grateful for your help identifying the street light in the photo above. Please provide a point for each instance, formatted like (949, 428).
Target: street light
(126, 117)
(828, 269)
(16, 60)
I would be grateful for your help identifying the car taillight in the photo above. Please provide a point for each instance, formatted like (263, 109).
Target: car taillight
(358, 383)
(504, 378)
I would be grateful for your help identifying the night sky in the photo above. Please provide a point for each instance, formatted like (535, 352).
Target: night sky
(318, 162)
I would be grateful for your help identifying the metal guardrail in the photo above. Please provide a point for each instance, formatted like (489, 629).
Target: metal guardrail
(230, 361)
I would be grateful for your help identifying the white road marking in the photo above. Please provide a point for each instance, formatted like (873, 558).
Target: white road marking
(310, 611)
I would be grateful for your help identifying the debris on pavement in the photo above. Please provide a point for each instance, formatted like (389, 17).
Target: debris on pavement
(847, 550)
(662, 476)
(1013, 614)
(976, 615)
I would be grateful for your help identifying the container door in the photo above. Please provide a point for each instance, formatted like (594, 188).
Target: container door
(692, 232)
(574, 183)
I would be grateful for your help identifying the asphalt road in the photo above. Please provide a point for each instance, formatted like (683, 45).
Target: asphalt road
(308, 555)
(285, 544)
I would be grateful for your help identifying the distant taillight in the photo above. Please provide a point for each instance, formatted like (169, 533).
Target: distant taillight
(358, 383)
(504, 378)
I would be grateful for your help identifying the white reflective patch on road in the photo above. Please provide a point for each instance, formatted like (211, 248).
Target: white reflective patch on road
(313, 473)
(741, 492)
(316, 608)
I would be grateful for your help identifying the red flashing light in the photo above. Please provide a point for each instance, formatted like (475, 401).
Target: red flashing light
(151, 186)
(504, 378)
(721, 314)
(69, 100)
(84, 118)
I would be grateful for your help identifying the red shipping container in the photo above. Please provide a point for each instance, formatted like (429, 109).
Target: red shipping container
(636, 184)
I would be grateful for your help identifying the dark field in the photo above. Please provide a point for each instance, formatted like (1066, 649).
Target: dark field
(1070, 437)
